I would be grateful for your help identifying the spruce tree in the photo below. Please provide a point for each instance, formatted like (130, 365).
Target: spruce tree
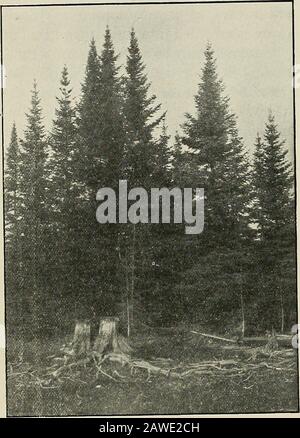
(113, 150)
(88, 174)
(272, 182)
(216, 147)
(101, 147)
(184, 166)
(63, 148)
(141, 116)
(222, 169)
(177, 162)
(273, 216)
(12, 208)
(34, 214)
(163, 237)
(162, 156)
(113, 136)
(63, 197)
(12, 198)
(89, 126)
(33, 161)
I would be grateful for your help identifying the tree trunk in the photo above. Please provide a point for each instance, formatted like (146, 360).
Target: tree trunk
(108, 340)
(282, 312)
(82, 338)
(133, 276)
(127, 297)
(243, 315)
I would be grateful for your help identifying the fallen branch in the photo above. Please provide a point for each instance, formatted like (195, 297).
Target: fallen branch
(214, 337)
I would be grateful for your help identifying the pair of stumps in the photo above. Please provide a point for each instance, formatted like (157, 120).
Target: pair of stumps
(107, 341)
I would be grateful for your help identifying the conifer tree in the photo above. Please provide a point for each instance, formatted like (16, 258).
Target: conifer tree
(113, 149)
(141, 116)
(273, 215)
(113, 137)
(221, 164)
(63, 148)
(34, 214)
(102, 141)
(34, 181)
(89, 126)
(213, 140)
(162, 156)
(88, 162)
(12, 197)
(177, 162)
(63, 197)
(272, 182)
(184, 166)
(12, 208)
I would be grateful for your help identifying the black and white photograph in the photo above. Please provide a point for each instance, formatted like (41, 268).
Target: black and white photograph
(149, 208)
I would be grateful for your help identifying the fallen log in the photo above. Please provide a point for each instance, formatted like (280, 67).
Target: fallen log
(283, 340)
(214, 337)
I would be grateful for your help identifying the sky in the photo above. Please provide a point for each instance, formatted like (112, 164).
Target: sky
(252, 44)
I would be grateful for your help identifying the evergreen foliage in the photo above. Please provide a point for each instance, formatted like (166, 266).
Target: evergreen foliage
(240, 272)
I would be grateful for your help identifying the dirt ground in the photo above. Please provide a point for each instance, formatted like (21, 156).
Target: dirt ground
(83, 392)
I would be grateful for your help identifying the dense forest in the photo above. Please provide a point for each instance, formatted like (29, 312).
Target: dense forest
(61, 264)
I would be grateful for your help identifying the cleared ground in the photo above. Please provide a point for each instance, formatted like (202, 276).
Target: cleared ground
(271, 386)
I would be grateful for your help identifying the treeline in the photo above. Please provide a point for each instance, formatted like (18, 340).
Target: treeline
(62, 265)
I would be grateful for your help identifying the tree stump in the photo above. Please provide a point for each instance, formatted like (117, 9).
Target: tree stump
(272, 344)
(82, 338)
(108, 340)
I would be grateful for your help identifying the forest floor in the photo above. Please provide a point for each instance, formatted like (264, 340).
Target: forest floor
(83, 391)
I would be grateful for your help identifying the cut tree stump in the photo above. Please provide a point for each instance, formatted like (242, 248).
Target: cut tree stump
(108, 339)
(82, 338)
